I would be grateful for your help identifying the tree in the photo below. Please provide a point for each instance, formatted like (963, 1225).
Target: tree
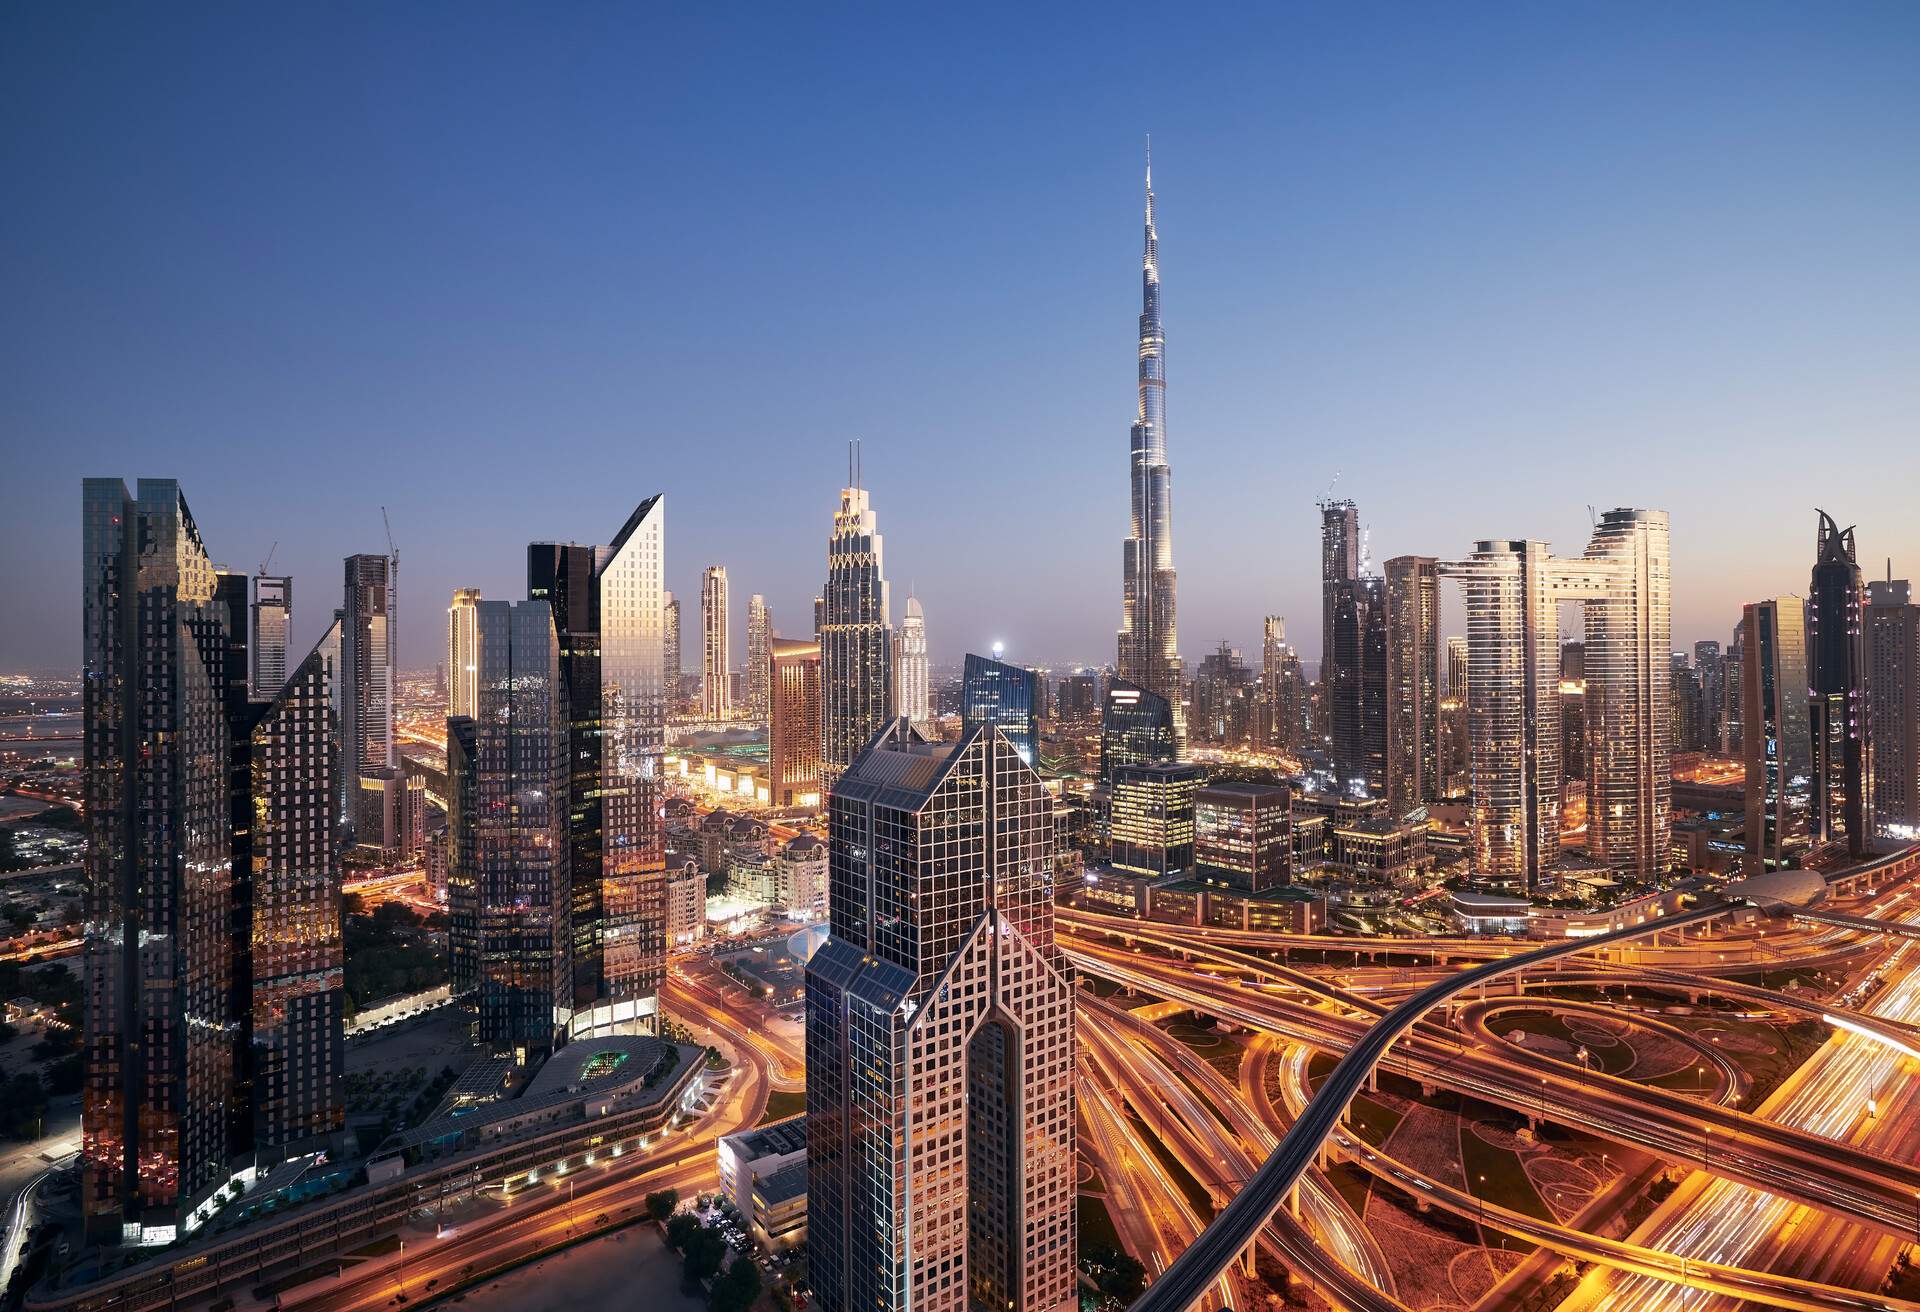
(705, 1251)
(66, 1075)
(680, 1229)
(736, 1288)
(23, 1106)
(662, 1203)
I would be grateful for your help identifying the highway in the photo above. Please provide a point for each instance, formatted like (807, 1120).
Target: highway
(1243, 1217)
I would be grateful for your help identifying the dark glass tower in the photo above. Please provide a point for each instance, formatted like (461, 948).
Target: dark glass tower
(1136, 728)
(1413, 682)
(856, 639)
(1835, 709)
(994, 692)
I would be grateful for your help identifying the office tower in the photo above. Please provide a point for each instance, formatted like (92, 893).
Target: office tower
(1892, 650)
(1710, 697)
(793, 723)
(508, 769)
(1079, 697)
(297, 1012)
(1731, 743)
(994, 692)
(1283, 688)
(630, 578)
(910, 665)
(1224, 698)
(1573, 710)
(1151, 821)
(1339, 631)
(1413, 683)
(461, 640)
(1683, 704)
(759, 662)
(940, 1039)
(1453, 720)
(1778, 749)
(563, 576)
(272, 628)
(367, 668)
(1149, 642)
(1242, 834)
(1834, 710)
(716, 645)
(1513, 591)
(856, 641)
(1136, 728)
(160, 1007)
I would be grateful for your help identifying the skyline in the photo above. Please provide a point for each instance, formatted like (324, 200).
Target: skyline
(1535, 240)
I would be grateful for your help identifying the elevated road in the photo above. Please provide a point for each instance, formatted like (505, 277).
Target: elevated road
(1202, 1264)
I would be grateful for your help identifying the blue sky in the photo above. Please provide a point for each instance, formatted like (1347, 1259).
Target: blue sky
(509, 269)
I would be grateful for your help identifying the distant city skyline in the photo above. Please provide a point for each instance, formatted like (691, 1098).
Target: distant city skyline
(1486, 269)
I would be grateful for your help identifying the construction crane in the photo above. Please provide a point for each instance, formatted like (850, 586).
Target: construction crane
(269, 560)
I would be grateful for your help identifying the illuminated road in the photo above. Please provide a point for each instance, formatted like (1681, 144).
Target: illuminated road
(1216, 1248)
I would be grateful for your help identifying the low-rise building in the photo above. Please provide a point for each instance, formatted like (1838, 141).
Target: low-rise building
(800, 878)
(763, 1171)
(686, 900)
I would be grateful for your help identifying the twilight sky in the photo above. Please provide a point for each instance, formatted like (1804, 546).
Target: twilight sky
(510, 269)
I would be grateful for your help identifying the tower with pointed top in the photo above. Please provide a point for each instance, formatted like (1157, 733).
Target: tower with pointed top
(856, 638)
(1149, 646)
(912, 699)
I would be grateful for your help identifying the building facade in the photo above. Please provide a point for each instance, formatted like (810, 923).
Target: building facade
(940, 1040)
(1242, 834)
(912, 696)
(1152, 818)
(1892, 649)
(997, 693)
(716, 645)
(759, 656)
(1777, 747)
(462, 639)
(1137, 727)
(1836, 690)
(856, 639)
(1149, 641)
(367, 671)
(1413, 682)
(793, 723)
(271, 619)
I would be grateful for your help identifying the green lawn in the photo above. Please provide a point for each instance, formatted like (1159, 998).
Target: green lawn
(1498, 1176)
(782, 1103)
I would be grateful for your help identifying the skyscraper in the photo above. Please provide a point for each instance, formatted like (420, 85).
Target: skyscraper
(1149, 639)
(632, 938)
(1413, 682)
(1778, 748)
(367, 670)
(1224, 698)
(994, 692)
(508, 770)
(670, 656)
(1283, 688)
(793, 723)
(1513, 592)
(562, 575)
(1893, 706)
(1353, 653)
(940, 1040)
(1835, 714)
(759, 656)
(716, 645)
(1151, 819)
(272, 629)
(462, 639)
(1136, 728)
(212, 1030)
(910, 665)
(856, 640)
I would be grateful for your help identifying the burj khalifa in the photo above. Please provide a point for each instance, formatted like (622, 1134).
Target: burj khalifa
(1149, 641)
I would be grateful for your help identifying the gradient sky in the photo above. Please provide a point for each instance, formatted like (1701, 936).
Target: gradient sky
(509, 269)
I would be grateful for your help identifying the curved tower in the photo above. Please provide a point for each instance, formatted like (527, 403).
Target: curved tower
(1149, 648)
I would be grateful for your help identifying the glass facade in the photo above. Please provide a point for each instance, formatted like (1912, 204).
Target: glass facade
(940, 1039)
(272, 627)
(856, 640)
(1893, 706)
(1242, 834)
(1777, 746)
(1136, 728)
(461, 641)
(1835, 703)
(759, 656)
(912, 697)
(994, 692)
(1152, 818)
(1413, 682)
(716, 646)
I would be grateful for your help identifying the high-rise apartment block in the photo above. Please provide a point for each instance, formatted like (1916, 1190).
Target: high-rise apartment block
(1777, 745)
(271, 620)
(940, 1039)
(1413, 682)
(793, 723)
(1892, 650)
(1283, 689)
(912, 696)
(1353, 653)
(856, 640)
(1836, 691)
(670, 654)
(994, 692)
(716, 637)
(1149, 641)
(1513, 593)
